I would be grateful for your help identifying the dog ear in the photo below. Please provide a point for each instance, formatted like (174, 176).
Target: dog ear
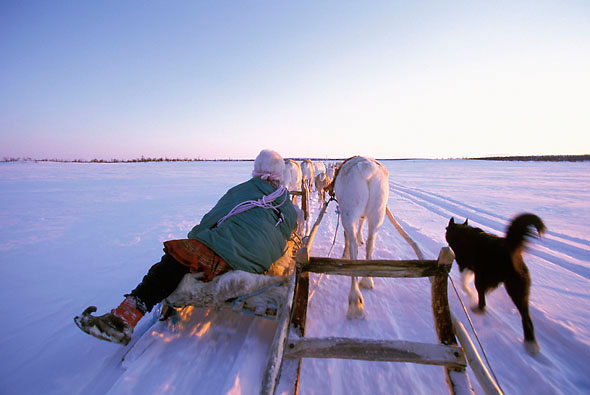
(465, 223)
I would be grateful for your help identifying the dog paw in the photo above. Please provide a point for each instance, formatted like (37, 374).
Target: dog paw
(477, 310)
(531, 347)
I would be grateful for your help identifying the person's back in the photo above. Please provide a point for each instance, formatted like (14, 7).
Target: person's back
(254, 239)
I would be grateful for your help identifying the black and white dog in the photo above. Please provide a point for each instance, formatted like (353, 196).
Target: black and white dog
(494, 260)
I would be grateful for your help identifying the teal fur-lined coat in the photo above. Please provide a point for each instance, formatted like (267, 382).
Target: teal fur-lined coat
(252, 240)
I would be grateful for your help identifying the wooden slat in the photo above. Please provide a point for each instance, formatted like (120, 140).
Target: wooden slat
(299, 315)
(482, 374)
(289, 380)
(440, 301)
(375, 268)
(376, 350)
(309, 239)
(457, 378)
(275, 357)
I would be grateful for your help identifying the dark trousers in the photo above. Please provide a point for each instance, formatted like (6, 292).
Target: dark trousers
(160, 281)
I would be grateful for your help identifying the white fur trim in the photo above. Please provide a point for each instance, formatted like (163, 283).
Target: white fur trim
(269, 165)
(192, 291)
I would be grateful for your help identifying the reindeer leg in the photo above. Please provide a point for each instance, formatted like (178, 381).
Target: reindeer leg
(346, 252)
(355, 302)
(359, 232)
(367, 282)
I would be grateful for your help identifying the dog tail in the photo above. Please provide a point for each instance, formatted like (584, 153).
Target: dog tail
(520, 230)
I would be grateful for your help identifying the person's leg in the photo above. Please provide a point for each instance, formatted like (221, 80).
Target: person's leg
(159, 282)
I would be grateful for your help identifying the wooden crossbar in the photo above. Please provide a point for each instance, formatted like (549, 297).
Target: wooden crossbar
(376, 350)
(375, 268)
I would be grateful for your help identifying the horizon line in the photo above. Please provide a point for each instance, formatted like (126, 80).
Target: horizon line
(580, 157)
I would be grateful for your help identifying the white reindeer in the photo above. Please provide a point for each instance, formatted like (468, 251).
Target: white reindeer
(292, 175)
(321, 182)
(320, 167)
(361, 187)
(307, 172)
(330, 170)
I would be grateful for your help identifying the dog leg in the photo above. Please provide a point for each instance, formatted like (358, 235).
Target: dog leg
(466, 276)
(518, 290)
(481, 295)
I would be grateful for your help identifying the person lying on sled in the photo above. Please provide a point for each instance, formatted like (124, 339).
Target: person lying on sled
(247, 230)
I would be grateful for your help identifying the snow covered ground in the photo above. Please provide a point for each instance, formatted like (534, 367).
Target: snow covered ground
(73, 235)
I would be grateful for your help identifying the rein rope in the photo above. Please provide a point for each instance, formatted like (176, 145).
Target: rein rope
(264, 202)
(337, 223)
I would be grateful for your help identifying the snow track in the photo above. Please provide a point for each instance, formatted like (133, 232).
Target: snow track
(555, 247)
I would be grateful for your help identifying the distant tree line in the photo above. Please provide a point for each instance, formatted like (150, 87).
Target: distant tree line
(538, 158)
(139, 160)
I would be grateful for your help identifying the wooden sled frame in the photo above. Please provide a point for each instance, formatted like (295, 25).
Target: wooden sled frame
(290, 344)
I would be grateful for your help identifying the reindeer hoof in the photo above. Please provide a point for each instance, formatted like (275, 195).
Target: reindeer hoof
(356, 313)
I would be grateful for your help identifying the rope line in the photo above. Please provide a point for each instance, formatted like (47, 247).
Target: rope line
(335, 232)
